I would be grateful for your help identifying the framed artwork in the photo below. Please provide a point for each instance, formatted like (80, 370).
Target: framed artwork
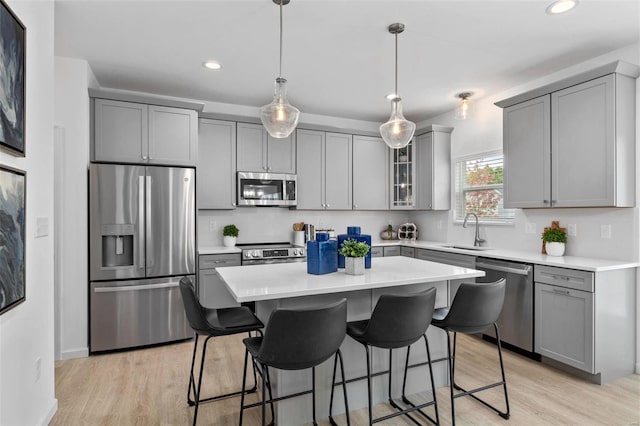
(12, 82)
(12, 232)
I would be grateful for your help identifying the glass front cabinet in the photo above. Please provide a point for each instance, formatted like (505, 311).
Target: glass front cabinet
(402, 177)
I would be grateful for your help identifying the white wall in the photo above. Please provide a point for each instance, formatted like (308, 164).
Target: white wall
(482, 132)
(26, 331)
(72, 78)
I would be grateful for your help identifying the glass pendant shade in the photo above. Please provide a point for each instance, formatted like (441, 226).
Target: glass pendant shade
(462, 111)
(397, 131)
(279, 117)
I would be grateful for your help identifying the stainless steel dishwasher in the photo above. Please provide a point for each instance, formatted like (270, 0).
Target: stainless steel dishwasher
(516, 320)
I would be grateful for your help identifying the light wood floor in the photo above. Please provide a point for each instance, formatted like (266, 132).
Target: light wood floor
(148, 387)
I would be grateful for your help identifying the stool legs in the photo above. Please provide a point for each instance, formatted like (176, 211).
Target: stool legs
(453, 385)
(433, 386)
(344, 389)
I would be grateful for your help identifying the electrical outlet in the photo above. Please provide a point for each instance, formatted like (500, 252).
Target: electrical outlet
(530, 228)
(605, 231)
(572, 229)
(212, 225)
(38, 368)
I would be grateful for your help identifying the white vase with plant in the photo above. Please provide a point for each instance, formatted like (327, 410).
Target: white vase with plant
(555, 240)
(230, 234)
(354, 252)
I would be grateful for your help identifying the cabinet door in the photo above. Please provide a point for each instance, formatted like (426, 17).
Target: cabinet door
(251, 148)
(121, 131)
(402, 177)
(370, 174)
(391, 251)
(212, 291)
(281, 154)
(433, 171)
(564, 326)
(310, 169)
(338, 173)
(583, 144)
(216, 164)
(527, 153)
(173, 136)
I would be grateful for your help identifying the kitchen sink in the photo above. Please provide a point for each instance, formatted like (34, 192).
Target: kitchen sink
(463, 247)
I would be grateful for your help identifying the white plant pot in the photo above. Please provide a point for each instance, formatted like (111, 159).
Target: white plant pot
(354, 265)
(229, 241)
(555, 249)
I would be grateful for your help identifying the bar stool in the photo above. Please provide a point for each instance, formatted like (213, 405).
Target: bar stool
(474, 308)
(297, 339)
(212, 323)
(398, 322)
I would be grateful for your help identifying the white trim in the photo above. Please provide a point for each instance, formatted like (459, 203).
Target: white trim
(49, 416)
(74, 353)
(638, 368)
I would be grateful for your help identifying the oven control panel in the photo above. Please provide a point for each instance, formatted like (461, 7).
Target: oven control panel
(273, 253)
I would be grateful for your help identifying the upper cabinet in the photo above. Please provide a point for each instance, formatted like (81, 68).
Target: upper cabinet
(216, 186)
(420, 173)
(573, 146)
(324, 162)
(370, 173)
(131, 132)
(259, 152)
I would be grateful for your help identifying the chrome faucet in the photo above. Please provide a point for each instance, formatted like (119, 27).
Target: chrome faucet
(477, 242)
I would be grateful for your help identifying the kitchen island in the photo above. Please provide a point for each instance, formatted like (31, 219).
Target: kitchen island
(288, 285)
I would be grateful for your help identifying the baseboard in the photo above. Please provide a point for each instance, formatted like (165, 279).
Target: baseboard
(74, 353)
(638, 368)
(49, 416)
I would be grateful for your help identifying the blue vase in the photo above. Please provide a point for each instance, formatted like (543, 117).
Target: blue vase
(353, 233)
(322, 255)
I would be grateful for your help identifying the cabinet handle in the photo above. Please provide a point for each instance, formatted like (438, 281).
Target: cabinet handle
(557, 290)
(327, 205)
(144, 157)
(545, 201)
(233, 204)
(560, 277)
(355, 206)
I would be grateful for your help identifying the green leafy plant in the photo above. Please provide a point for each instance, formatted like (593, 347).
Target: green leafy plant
(353, 248)
(554, 235)
(230, 231)
(390, 230)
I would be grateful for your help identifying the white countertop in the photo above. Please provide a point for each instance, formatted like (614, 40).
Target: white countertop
(571, 262)
(283, 280)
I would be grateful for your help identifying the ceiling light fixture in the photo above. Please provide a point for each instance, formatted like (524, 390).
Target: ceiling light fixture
(397, 132)
(561, 6)
(462, 112)
(279, 117)
(212, 65)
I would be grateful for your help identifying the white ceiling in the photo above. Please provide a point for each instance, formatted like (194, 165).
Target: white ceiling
(338, 55)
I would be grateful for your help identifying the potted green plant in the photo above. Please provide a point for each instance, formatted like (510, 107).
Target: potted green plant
(389, 233)
(354, 252)
(555, 240)
(230, 234)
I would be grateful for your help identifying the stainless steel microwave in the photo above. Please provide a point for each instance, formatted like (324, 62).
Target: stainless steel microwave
(267, 189)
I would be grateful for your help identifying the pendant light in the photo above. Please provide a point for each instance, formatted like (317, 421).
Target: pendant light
(279, 117)
(462, 112)
(398, 131)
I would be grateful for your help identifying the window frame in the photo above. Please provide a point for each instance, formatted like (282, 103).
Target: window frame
(458, 194)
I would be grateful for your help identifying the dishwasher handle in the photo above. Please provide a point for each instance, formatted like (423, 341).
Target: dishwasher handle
(521, 270)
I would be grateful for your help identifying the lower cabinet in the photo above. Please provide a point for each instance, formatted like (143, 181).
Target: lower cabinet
(407, 251)
(385, 251)
(212, 290)
(377, 251)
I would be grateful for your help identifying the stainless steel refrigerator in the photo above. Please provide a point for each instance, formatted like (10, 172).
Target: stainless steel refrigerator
(142, 241)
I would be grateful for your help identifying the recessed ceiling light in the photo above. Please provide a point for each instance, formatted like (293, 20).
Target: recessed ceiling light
(212, 65)
(391, 96)
(561, 6)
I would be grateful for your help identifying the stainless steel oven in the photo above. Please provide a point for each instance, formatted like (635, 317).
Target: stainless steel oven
(267, 189)
(265, 253)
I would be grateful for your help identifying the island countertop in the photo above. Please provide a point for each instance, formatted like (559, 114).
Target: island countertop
(277, 281)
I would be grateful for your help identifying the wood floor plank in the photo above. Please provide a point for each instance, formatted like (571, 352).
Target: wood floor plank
(149, 387)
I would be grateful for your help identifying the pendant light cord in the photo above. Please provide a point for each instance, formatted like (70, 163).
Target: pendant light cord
(280, 73)
(396, 90)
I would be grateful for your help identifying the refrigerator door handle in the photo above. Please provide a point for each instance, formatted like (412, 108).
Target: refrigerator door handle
(141, 223)
(148, 224)
(136, 287)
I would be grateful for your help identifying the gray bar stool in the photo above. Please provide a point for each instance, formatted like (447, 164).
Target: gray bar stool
(213, 323)
(474, 308)
(297, 339)
(398, 322)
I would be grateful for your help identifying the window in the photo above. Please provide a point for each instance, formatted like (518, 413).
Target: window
(478, 186)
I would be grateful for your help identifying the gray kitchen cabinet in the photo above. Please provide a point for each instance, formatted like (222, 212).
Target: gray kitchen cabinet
(130, 132)
(433, 169)
(216, 186)
(402, 177)
(391, 251)
(370, 173)
(377, 251)
(407, 251)
(257, 151)
(212, 290)
(573, 146)
(581, 316)
(324, 170)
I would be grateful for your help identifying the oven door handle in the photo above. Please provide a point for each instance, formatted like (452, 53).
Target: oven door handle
(524, 270)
